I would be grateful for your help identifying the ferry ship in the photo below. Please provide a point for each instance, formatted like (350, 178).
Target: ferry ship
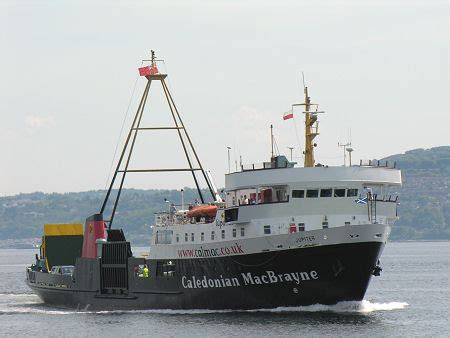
(278, 235)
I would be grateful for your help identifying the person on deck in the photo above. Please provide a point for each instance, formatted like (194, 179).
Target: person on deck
(172, 209)
(245, 199)
(145, 272)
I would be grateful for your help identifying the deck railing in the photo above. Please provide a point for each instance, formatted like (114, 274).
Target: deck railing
(378, 163)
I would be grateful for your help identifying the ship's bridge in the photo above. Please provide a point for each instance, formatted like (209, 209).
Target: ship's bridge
(277, 185)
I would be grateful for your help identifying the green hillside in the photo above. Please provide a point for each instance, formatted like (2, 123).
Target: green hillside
(424, 203)
(425, 196)
(23, 215)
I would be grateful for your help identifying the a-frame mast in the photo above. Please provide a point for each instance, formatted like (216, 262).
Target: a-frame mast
(194, 163)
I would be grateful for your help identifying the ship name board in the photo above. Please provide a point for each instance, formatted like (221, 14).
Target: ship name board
(306, 239)
(248, 278)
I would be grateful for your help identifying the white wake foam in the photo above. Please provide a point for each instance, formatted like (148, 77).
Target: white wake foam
(364, 306)
(367, 306)
(29, 303)
(12, 295)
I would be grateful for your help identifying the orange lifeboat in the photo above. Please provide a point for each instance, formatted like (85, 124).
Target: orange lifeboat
(203, 211)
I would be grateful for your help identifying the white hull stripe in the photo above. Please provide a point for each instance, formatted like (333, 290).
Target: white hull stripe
(244, 246)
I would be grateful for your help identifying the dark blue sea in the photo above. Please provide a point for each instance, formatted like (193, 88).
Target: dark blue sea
(410, 298)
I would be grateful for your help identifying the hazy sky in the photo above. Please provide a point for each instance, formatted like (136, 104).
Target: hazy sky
(68, 69)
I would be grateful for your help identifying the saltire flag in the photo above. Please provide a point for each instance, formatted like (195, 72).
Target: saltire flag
(288, 115)
(148, 70)
(361, 200)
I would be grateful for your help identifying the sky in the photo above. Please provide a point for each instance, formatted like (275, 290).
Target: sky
(68, 80)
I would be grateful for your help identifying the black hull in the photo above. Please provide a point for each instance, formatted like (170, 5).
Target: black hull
(287, 278)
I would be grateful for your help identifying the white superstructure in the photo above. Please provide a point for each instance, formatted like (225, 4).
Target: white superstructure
(282, 208)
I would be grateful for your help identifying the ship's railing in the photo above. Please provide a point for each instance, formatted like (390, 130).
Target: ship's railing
(362, 163)
(378, 163)
(256, 166)
(266, 165)
(164, 219)
(385, 198)
(283, 200)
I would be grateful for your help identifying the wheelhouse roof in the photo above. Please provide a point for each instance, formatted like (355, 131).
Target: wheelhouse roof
(320, 176)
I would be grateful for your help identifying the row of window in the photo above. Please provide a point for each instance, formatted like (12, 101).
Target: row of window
(267, 231)
(328, 192)
(292, 228)
(213, 235)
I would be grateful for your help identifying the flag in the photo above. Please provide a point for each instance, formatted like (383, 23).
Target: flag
(148, 70)
(361, 200)
(143, 71)
(288, 115)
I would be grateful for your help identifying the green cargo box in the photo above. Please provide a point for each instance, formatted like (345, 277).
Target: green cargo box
(62, 244)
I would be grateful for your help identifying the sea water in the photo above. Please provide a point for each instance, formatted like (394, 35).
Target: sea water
(410, 298)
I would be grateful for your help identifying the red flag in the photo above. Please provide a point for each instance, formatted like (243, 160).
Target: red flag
(288, 115)
(143, 71)
(147, 70)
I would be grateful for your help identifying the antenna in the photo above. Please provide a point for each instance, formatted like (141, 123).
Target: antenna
(182, 199)
(271, 139)
(344, 148)
(349, 150)
(291, 148)
(152, 59)
(229, 168)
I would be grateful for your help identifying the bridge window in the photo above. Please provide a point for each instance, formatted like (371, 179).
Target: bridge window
(242, 232)
(352, 192)
(186, 236)
(339, 192)
(223, 234)
(177, 237)
(212, 235)
(301, 226)
(266, 229)
(326, 192)
(271, 194)
(311, 193)
(258, 195)
(202, 236)
(298, 193)
(192, 237)
(231, 199)
(234, 232)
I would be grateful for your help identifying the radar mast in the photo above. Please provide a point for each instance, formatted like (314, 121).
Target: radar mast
(311, 126)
